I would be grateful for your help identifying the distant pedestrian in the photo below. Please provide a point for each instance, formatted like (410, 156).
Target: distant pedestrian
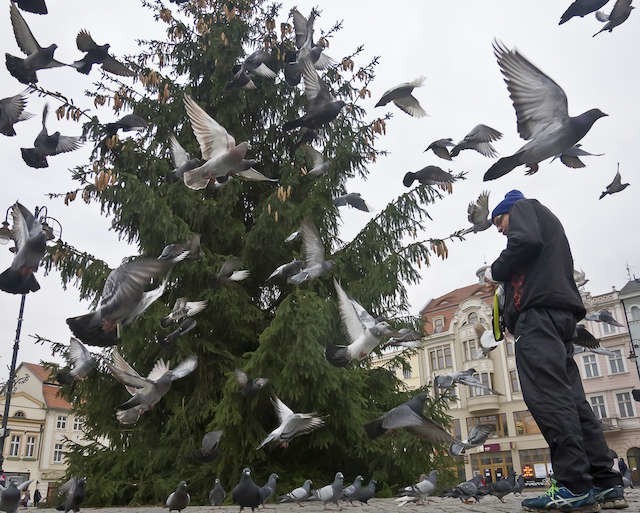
(622, 466)
(26, 497)
(37, 497)
(3, 478)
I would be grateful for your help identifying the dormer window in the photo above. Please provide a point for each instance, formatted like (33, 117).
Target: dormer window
(438, 325)
(19, 413)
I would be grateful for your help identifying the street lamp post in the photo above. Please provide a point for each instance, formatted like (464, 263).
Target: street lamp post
(634, 343)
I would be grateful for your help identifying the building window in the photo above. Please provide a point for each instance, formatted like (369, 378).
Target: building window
(440, 357)
(616, 362)
(486, 378)
(597, 405)
(607, 329)
(624, 404)
(58, 455)
(511, 347)
(473, 318)
(455, 429)
(635, 313)
(498, 421)
(78, 422)
(438, 325)
(61, 423)
(14, 446)
(535, 464)
(30, 448)
(471, 349)
(406, 373)
(515, 382)
(525, 425)
(19, 413)
(590, 366)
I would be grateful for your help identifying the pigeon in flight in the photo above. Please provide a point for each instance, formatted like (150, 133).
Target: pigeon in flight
(33, 6)
(465, 377)
(331, 492)
(319, 166)
(97, 54)
(268, 489)
(82, 361)
(249, 387)
(595, 350)
(287, 270)
(402, 98)
(479, 139)
(408, 415)
(486, 339)
(364, 332)
(571, 157)
(315, 264)
(477, 436)
(291, 425)
(230, 272)
(615, 186)
(584, 338)
(478, 214)
(126, 123)
(441, 148)
(299, 494)
(322, 108)
(74, 493)
(11, 112)
(217, 494)
(603, 316)
(179, 499)
(419, 493)
(182, 251)
(542, 113)
(405, 337)
(181, 310)
(10, 495)
(48, 145)
(209, 447)
(429, 175)
(181, 159)
(618, 15)
(37, 57)
(30, 240)
(353, 199)
(580, 278)
(254, 64)
(581, 8)
(246, 493)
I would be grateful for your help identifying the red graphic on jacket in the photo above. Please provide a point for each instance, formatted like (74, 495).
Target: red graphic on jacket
(517, 282)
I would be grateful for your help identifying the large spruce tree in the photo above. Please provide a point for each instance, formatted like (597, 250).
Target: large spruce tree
(269, 329)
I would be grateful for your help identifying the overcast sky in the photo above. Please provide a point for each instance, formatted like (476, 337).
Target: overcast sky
(447, 42)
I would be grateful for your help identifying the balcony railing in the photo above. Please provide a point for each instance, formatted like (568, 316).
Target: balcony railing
(482, 403)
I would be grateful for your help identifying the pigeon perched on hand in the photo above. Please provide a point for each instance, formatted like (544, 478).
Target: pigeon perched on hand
(477, 436)
(30, 240)
(364, 332)
(37, 57)
(618, 15)
(74, 493)
(331, 492)
(10, 495)
(571, 157)
(315, 264)
(183, 309)
(126, 123)
(299, 494)
(542, 114)
(82, 361)
(33, 6)
(246, 493)
(291, 425)
(478, 214)
(408, 415)
(268, 489)
(217, 494)
(179, 499)
(254, 64)
(430, 175)
(353, 199)
(402, 98)
(209, 447)
(48, 145)
(581, 8)
(419, 493)
(97, 54)
(603, 316)
(464, 377)
(287, 270)
(615, 186)
(479, 139)
(249, 387)
(11, 112)
(441, 148)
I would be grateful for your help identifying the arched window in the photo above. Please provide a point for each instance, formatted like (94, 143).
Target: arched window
(473, 317)
(19, 413)
(635, 313)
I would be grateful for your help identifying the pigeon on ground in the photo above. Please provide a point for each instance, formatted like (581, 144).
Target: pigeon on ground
(402, 98)
(581, 8)
(126, 123)
(331, 492)
(479, 139)
(603, 316)
(315, 264)
(477, 436)
(246, 493)
(10, 495)
(11, 112)
(209, 447)
(182, 309)
(37, 57)
(219, 150)
(353, 199)
(478, 214)
(217, 494)
(299, 494)
(319, 166)
(179, 499)
(366, 492)
(249, 387)
(254, 64)
(615, 186)
(230, 272)
(148, 391)
(520, 485)
(464, 377)
(571, 157)
(124, 298)
(33, 6)
(182, 251)
(181, 159)
(503, 487)
(542, 113)
(441, 147)
(429, 175)
(73, 491)
(269, 488)
(97, 54)
(47, 145)
(291, 425)
(408, 415)
(322, 108)
(30, 240)
(419, 493)
(618, 15)
(81, 360)
(486, 341)
(287, 270)
(349, 492)
(364, 332)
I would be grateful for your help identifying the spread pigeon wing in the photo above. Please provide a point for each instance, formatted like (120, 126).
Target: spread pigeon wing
(113, 65)
(23, 221)
(212, 137)
(404, 417)
(24, 37)
(300, 424)
(311, 244)
(348, 314)
(77, 351)
(66, 144)
(178, 153)
(410, 105)
(185, 368)
(282, 410)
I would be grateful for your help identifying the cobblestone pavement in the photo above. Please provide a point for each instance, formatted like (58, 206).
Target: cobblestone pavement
(437, 505)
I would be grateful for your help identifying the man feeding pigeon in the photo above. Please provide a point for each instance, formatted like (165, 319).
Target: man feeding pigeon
(542, 306)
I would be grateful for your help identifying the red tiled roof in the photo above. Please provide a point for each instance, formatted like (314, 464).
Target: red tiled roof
(41, 372)
(53, 398)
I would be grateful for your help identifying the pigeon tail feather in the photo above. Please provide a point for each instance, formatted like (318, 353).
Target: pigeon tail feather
(13, 282)
(374, 429)
(502, 167)
(337, 355)
(19, 71)
(33, 158)
(87, 328)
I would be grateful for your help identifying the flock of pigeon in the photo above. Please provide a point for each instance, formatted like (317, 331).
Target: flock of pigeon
(542, 120)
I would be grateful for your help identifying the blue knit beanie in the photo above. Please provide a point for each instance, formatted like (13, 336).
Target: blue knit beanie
(505, 205)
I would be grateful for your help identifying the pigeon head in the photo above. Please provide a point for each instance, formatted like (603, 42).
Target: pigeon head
(588, 118)
(261, 382)
(182, 486)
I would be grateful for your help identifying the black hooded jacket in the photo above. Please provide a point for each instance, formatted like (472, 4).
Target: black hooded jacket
(537, 266)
